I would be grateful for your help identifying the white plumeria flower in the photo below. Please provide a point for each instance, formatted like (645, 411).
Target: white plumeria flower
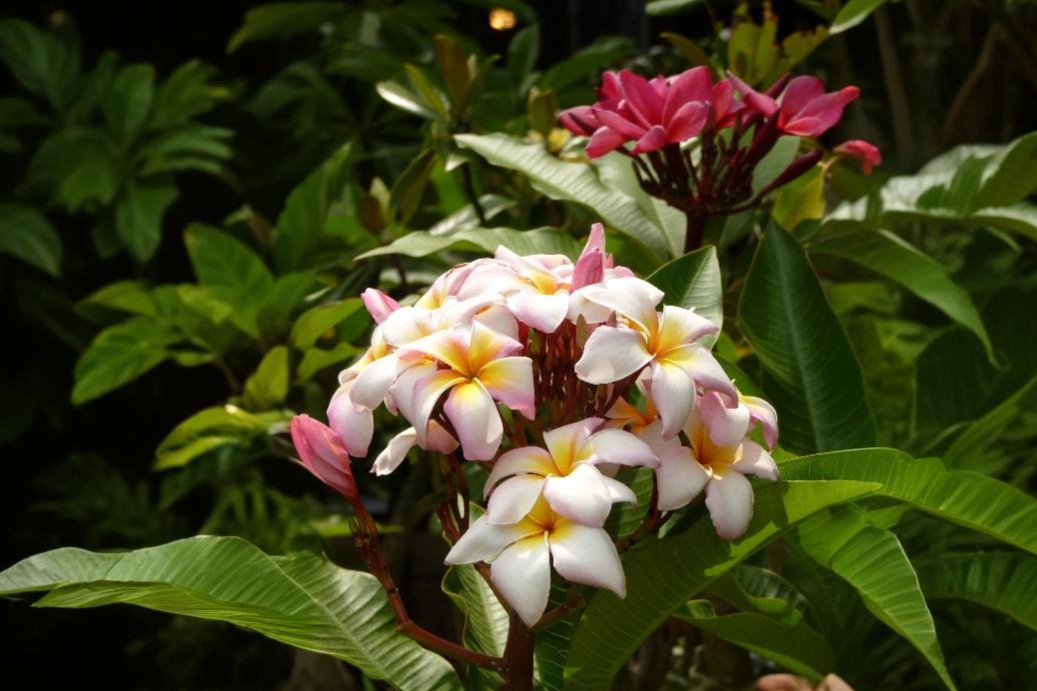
(478, 367)
(527, 549)
(565, 474)
(727, 423)
(437, 439)
(718, 468)
(666, 342)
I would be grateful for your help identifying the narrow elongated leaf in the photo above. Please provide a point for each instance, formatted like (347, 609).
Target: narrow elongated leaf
(872, 560)
(283, 19)
(811, 373)
(536, 241)
(693, 282)
(301, 600)
(576, 182)
(798, 648)
(1003, 581)
(968, 499)
(405, 99)
(888, 255)
(485, 620)
(26, 234)
(663, 575)
(853, 13)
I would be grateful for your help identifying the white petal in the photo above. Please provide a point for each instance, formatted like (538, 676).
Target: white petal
(729, 498)
(542, 312)
(510, 381)
(522, 574)
(582, 495)
(500, 319)
(616, 446)
(372, 385)
(633, 298)
(393, 454)
(673, 393)
(586, 555)
(427, 392)
(611, 354)
(727, 426)
(484, 541)
(525, 459)
(618, 491)
(764, 413)
(476, 420)
(679, 479)
(756, 461)
(403, 391)
(700, 364)
(513, 499)
(353, 423)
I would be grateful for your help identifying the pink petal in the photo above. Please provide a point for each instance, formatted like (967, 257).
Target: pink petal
(581, 496)
(611, 354)
(586, 555)
(324, 454)
(653, 139)
(763, 412)
(579, 120)
(474, 416)
(689, 86)
(727, 425)
(821, 114)
(799, 92)
(355, 424)
(643, 99)
(729, 498)
(522, 574)
(761, 103)
(378, 304)
(687, 122)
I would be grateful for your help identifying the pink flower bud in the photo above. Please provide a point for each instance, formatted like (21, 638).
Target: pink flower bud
(324, 454)
(378, 304)
(867, 154)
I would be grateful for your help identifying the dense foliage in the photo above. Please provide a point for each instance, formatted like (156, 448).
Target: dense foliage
(183, 252)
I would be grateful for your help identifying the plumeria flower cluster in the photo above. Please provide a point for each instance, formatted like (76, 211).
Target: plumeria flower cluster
(552, 375)
(733, 125)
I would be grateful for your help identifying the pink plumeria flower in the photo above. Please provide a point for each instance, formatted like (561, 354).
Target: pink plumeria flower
(867, 154)
(324, 454)
(804, 109)
(718, 468)
(526, 550)
(478, 368)
(378, 304)
(565, 473)
(729, 422)
(666, 343)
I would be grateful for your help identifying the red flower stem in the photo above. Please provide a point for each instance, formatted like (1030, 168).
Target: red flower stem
(518, 657)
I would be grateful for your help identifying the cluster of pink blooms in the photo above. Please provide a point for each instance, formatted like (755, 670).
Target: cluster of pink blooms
(553, 375)
(652, 113)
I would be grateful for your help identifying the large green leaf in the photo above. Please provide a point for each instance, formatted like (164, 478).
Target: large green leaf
(872, 560)
(810, 371)
(220, 259)
(663, 575)
(798, 647)
(42, 62)
(301, 600)
(694, 282)
(26, 234)
(118, 355)
(537, 241)
(576, 182)
(1003, 581)
(312, 323)
(968, 499)
(888, 255)
(976, 447)
(138, 217)
(127, 103)
(485, 620)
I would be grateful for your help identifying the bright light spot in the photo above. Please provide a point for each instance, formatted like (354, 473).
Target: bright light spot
(502, 19)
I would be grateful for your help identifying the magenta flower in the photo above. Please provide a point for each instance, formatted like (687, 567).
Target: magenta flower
(867, 154)
(804, 109)
(651, 113)
(324, 454)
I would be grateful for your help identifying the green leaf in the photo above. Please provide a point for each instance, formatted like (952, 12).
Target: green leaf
(118, 355)
(888, 255)
(1002, 581)
(302, 222)
(431, 98)
(485, 620)
(688, 49)
(220, 259)
(283, 19)
(694, 282)
(125, 296)
(316, 359)
(80, 167)
(810, 371)
(536, 241)
(853, 13)
(26, 234)
(575, 182)
(775, 162)
(409, 188)
(302, 600)
(665, 8)
(466, 217)
(967, 499)
(268, 385)
(976, 447)
(798, 648)
(213, 428)
(127, 103)
(590, 60)
(454, 66)
(803, 199)
(403, 98)
(138, 217)
(185, 94)
(663, 575)
(874, 563)
(41, 62)
(523, 51)
(312, 323)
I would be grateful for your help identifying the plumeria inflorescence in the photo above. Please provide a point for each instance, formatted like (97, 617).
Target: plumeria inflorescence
(553, 375)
